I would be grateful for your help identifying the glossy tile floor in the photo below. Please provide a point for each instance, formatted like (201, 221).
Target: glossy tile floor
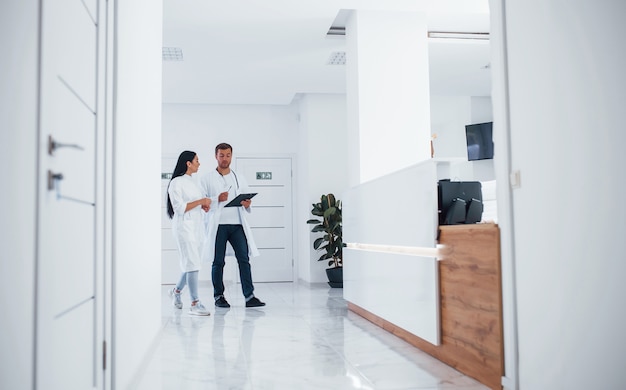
(305, 338)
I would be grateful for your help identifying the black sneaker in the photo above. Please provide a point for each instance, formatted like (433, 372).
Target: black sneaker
(254, 302)
(222, 302)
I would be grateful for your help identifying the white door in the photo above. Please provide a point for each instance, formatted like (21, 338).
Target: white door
(69, 321)
(271, 217)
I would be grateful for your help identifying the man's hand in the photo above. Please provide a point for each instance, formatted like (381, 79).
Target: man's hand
(223, 196)
(246, 203)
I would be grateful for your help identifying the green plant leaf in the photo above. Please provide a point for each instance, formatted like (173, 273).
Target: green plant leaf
(331, 200)
(324, 202)
(311, 221)
(330, 211)
(317, 243)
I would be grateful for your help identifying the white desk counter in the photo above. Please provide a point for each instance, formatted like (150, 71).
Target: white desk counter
(399, 209)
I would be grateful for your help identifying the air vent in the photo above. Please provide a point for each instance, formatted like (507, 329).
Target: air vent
(172, 54)
(337, 58)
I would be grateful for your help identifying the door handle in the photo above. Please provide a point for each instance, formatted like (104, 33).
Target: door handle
(54, 145)
(52, 178)
(53, 185)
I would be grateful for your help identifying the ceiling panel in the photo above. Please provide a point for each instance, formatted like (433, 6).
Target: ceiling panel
(266, 52)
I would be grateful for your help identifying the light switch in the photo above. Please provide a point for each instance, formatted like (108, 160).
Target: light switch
(515, 179)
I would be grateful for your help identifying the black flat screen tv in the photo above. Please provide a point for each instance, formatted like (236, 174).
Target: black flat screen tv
(479, 141)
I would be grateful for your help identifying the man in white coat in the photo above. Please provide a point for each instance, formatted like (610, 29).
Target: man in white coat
(228, 224)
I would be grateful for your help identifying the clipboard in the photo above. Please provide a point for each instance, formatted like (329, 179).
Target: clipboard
(237, 201)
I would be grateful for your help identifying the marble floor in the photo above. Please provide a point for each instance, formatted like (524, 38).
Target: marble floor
(305, 338)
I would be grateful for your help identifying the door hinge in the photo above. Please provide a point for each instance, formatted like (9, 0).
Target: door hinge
(104, 355)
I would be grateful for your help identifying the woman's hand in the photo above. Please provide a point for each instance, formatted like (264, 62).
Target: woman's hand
(206, 204)
(246, 203)
(223, 196)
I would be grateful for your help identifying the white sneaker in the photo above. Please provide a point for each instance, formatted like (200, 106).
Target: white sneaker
(198, 310)
(176, 301)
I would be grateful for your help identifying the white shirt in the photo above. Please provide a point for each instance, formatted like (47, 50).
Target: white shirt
(230, 215)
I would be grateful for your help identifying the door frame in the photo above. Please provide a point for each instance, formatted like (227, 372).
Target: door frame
(105, 237)
(505, 200)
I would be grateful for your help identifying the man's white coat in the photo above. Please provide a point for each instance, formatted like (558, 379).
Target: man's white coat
(212, 184)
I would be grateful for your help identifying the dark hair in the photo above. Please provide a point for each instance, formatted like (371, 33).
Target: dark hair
(179, 170)
(223, 146)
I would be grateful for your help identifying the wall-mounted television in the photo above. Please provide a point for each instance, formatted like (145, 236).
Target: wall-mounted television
(479, 141)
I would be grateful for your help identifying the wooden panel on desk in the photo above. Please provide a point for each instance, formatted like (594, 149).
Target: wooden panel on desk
(471, 301)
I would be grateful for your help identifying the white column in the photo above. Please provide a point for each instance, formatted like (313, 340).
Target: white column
(388, 93)
(322, 169)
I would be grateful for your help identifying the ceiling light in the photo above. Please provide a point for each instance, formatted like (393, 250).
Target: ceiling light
(172, 54)
(337, 58)
(458, 35)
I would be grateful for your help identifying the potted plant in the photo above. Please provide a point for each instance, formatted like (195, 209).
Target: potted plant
(329, 223)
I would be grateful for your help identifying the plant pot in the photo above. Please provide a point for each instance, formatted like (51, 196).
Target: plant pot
(335, 277)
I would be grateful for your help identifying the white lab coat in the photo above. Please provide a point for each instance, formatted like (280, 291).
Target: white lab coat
(212, 184)
(187, 226)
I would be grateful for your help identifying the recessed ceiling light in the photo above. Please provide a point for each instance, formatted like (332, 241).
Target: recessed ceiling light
(172, 54)
(337, 58)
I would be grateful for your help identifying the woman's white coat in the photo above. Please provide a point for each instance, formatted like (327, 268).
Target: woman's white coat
(187, 226)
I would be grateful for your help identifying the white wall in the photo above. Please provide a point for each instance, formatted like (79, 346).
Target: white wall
(397, 104)
(250, 129)
(482, 110)
(323, 169)
(566, 96)
(449, 115)
(19, 20)
(136, 186)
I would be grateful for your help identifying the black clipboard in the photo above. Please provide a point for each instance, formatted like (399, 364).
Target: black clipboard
(237, 201)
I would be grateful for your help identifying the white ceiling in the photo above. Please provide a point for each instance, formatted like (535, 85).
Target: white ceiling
(268, 51)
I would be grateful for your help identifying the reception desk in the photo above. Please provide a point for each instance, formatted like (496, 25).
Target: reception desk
(395, 210)
(449, 307)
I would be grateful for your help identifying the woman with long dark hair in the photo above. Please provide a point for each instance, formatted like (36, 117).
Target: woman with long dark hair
(186, 206)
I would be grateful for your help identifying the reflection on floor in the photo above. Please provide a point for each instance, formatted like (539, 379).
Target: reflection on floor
(305, 338)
